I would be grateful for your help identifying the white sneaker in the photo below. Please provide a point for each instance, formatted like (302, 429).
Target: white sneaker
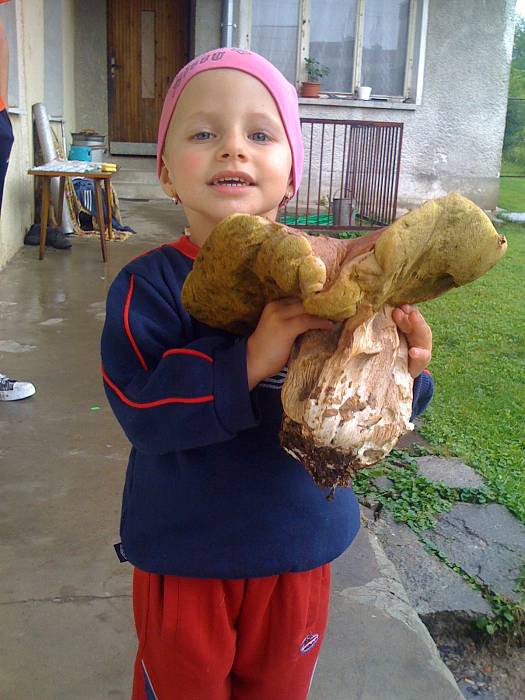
(11, 390)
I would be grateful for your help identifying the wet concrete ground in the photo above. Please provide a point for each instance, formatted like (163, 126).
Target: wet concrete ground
(65, 598)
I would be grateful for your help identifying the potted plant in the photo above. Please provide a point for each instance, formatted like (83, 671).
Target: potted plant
(314, 72)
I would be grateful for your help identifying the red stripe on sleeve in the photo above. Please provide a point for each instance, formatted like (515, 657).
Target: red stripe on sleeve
(182, 351)
(127, 326)
(152, 404)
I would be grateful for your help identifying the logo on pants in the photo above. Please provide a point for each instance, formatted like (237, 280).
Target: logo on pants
(308, 643)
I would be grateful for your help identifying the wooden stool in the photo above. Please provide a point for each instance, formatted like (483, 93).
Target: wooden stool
(96, 176)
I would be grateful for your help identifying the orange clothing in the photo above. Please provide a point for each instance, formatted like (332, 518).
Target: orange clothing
(2, 103)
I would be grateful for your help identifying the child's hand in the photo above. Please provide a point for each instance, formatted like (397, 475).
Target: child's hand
(419, 337)
(270, 344)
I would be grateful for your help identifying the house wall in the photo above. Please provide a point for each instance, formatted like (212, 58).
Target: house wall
(207, 25)
(452, 140)
(68, 65)
(455, 142)
(90, 66)
(17, 207)
(39, 80)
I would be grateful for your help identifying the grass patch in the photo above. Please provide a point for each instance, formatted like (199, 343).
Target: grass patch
(478, 411)
(508, 167)
(512, 193)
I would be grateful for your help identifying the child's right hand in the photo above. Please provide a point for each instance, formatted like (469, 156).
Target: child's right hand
(270, 345)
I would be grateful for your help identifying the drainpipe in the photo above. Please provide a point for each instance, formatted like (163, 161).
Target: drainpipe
(227, 23)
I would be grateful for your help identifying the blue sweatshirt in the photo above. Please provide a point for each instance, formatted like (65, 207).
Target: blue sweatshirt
(209, 491)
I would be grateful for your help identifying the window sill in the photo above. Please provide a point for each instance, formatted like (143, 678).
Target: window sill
(326, 101)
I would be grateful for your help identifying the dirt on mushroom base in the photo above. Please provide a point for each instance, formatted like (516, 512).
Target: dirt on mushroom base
(484, 668)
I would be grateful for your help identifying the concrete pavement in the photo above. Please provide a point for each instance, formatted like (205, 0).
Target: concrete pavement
(67, 629)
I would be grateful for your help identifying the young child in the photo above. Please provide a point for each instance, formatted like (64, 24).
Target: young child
(230, 538)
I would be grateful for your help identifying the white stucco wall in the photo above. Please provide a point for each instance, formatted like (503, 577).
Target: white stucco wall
(207, 25)
(18, 204)
(452, 140)
(90, 66)
(68, 65)
(37, 83)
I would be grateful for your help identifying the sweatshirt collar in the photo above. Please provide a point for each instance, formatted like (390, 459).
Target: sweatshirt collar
(186, 247)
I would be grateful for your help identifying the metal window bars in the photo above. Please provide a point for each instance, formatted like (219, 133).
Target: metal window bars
(350, 176)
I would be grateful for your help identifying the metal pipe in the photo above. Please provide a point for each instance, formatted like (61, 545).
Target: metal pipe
(45, 136)
(227, 23)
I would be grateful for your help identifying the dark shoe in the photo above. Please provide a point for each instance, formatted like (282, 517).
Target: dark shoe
(57, 239)
(54, 237)
(32, 237)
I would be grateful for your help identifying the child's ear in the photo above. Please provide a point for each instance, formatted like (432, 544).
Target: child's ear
(165, 181)
(289, 191)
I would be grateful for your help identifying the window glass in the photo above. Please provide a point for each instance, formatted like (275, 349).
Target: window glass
(385, 46)
(274, 33)
(332, 37)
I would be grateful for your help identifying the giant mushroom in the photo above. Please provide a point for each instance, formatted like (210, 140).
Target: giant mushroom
(347, 397)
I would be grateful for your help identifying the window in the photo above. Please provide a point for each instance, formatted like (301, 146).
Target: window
(378, 43)
(332, 41)
(274, 33)
(385, 40)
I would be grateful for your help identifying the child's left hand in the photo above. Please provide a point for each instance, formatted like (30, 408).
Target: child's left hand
(419, 337)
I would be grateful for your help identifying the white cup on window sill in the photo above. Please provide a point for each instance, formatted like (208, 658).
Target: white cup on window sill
(363, 92)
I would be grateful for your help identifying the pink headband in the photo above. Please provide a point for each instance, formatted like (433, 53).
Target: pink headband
(283, 93)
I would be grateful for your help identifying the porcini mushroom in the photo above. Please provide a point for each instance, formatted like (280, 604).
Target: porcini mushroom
(348, 394)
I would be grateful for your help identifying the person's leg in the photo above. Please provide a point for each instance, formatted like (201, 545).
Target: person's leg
(280, 632)
(186, 630)
(6, 143)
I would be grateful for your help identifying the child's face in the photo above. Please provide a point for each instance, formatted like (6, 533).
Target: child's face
(226, 124)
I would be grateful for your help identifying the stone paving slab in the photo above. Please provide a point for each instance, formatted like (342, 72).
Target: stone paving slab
(451, 471)
(432, 587)
(487, 541)
(376, 646)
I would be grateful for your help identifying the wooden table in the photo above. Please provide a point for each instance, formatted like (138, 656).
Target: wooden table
(96, 176)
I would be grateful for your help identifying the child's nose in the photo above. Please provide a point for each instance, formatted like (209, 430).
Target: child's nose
(232, 146)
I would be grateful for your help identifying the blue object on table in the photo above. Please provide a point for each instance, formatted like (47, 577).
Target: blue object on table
(80, 153)
(85, 191)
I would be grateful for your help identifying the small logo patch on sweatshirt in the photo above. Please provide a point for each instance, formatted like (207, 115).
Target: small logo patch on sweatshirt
(119, 550)
(308, 643)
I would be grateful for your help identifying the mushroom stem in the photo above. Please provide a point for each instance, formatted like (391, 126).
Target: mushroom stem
(349, 412)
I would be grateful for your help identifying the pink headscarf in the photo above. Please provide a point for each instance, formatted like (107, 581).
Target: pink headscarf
(283, 93)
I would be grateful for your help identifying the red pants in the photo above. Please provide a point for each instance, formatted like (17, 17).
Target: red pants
(248, 639)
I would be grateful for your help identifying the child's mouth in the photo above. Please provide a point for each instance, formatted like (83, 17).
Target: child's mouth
(231, 185)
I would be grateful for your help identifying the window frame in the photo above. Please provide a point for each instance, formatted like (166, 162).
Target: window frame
(412, 91)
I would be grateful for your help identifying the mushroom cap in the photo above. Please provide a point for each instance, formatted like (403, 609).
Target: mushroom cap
(248, 261)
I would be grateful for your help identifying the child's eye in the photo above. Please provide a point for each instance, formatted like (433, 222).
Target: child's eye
(260, 136)
(202, 136)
